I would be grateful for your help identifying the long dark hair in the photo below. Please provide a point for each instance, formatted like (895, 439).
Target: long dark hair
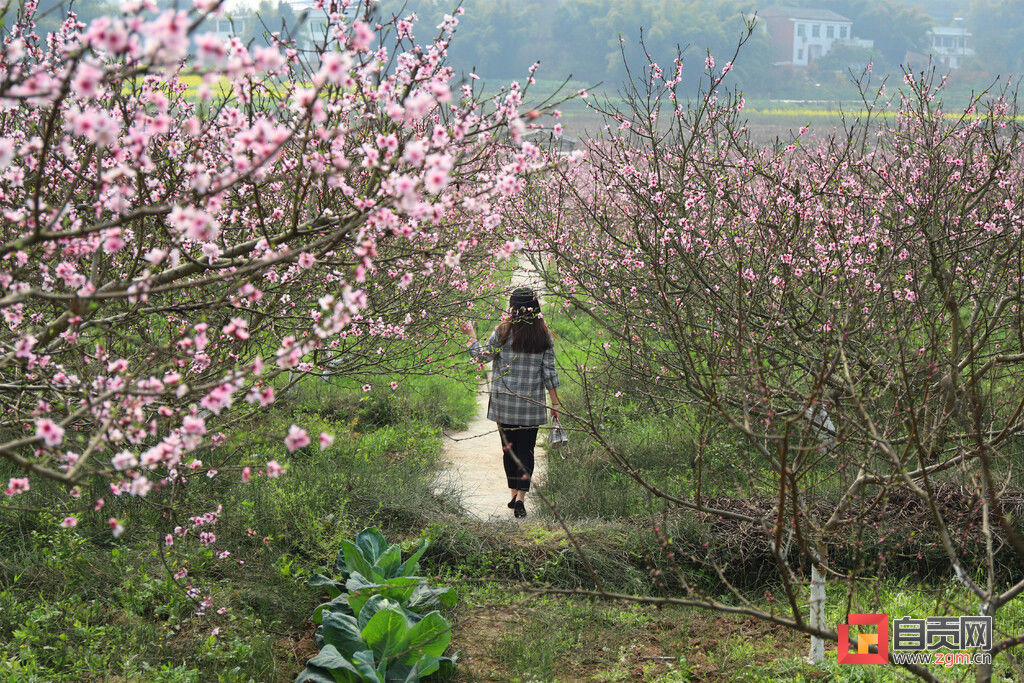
(524, 327)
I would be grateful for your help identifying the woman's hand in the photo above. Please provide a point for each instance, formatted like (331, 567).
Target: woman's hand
(554, 403)
(467, 327)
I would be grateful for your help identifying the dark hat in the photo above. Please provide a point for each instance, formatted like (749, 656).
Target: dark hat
(523, 297)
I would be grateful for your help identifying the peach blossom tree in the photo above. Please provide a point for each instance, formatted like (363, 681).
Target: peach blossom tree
(191, 226)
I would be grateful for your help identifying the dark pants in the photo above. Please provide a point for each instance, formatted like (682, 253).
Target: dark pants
(517, 443)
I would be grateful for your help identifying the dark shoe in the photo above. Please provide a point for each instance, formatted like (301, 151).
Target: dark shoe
(520, 508)
(512, 503)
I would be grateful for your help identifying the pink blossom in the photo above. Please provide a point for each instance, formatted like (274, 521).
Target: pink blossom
(237, 328)
(334, 68)
(107, 34)
(194, 223)
(140, 486)
(417, 105)
(116, 527)
(325, 440)
(124, 460)
(415, 152)
(362, 36)
(268, 59)
(435, 179)
(210, 50)
(296, 439)
(167, 36)
(265, 396)
(193, 424)
(6, 152)
(69, 522)
(220, 398)
(86, 81)
(51, 433)
(16, 485)
(274, 469)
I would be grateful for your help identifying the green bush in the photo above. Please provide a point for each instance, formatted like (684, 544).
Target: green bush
(377, 627)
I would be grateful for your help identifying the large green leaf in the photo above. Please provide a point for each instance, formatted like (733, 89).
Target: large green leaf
(367, 666)
(342, 631)
(386, 633)
(338, 604)
(399, 589)
(333, 586)
(339, 563)
(314, 674)
(357, 582)
(355, 562)
(382, 670)
(424, 666)
(372, 606)
(400, 673)
(371, 542)
(430, 636)
(425, 597)
(446, 668)
(340, 667)
(411, 565)
(389, 562)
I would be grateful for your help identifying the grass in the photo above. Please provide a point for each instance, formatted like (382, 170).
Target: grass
(912, 575)
(529, 636)
(585, 482)
(76, 604)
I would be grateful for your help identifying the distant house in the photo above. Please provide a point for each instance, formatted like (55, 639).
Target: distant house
(312, 23)
(799, 35)
(235, 24)
(951, 45)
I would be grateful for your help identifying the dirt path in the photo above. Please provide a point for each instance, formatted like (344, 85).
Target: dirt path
(472, 457)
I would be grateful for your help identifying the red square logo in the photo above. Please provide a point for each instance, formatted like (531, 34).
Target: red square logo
(865, 640)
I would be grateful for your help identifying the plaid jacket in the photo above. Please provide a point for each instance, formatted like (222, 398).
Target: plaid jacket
(518, 381)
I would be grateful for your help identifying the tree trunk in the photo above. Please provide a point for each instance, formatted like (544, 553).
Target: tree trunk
(817, 616)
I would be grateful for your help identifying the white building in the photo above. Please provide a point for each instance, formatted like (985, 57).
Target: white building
(951, 45)
(312, 22)
(232, 24)
(799, 35)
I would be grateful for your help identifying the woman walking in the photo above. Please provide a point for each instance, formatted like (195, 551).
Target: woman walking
(524, 367)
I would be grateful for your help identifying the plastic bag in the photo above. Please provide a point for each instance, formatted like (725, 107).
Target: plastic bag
(558, 435)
